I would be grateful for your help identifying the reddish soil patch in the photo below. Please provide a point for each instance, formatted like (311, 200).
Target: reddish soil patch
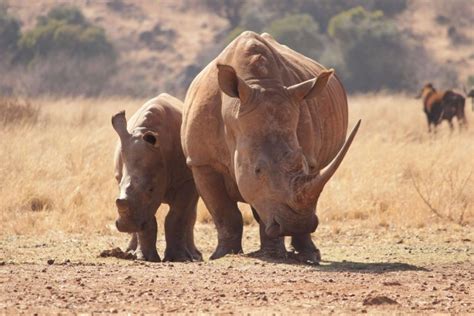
(369, 270)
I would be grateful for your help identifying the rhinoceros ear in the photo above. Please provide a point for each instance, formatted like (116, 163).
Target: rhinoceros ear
(151, 138)
(231, 84)
(119, 122)
(310, 88)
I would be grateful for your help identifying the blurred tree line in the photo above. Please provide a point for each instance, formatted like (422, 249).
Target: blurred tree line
(359, 38)
(63, 54)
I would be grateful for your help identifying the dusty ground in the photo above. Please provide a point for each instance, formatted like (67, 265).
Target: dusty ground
(376, 270)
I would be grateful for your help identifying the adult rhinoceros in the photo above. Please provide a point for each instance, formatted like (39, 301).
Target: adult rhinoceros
(260, 122)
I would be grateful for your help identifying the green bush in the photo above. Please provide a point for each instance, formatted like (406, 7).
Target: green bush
(9, 31)
(64, 30)
(389, 7)
(65, 55)
(233, 34)
(376, 55)
(298, 31)
(68, 14)
(470, 81)
(323, 10)
(227, 9)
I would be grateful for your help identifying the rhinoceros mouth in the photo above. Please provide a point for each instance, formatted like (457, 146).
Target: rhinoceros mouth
(129, 226)
(297, 225)
(273, 230)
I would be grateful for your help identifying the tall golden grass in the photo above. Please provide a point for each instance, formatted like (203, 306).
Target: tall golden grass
(56, 171)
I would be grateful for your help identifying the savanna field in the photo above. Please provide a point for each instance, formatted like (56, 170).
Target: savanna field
(395, 222)
(57, 162)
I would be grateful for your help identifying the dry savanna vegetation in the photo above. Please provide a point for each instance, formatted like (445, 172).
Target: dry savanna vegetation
(395, 232)
(57, 167)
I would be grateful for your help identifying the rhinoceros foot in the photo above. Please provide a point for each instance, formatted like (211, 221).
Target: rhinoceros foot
(277, 252)
(196, 254)
(304, 249)
(182, 254)
(307, 257)
(147, 255)
(223, 250)
(272, 254)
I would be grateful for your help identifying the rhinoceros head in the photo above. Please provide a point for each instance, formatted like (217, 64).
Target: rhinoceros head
(142, 178)
(271, 171)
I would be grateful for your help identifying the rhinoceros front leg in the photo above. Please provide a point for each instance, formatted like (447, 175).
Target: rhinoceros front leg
(223, 209)
(305, 250)
(133, 243)
(146, 249)
(273, 247)
(179, 225)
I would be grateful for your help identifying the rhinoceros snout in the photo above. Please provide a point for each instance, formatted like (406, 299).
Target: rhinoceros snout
(122, 204)
(292, 227)
(128, 226)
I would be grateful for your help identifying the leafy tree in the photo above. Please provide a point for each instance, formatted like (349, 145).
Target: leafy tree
(470, 81)
(376, 55)
(64, 30)
(9, 31)
(233, 34)
(228, 9)
(66, 55)
(321, 10)
(68, 14)
(300, 32)
(389, 7)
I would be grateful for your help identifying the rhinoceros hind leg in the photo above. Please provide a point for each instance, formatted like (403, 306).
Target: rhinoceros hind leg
(146, 249)
(223, 209)
(304, 249)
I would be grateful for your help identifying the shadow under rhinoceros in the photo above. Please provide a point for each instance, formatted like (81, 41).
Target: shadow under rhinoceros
(337, 266)
(367, 267)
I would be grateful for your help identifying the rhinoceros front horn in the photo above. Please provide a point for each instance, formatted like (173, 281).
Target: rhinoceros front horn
(308, 189)
(119, 122)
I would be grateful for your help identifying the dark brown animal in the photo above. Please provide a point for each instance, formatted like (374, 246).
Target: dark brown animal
(260, 124)
(471, 95)
(151, 169)
(442, 105)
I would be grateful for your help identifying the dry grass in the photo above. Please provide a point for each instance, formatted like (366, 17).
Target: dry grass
(17, 111)
(57, 171)
(392, 157)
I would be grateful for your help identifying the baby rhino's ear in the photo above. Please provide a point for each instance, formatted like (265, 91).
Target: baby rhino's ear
(151, 138)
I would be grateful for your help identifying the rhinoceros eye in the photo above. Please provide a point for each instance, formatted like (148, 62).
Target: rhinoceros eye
(149, 138)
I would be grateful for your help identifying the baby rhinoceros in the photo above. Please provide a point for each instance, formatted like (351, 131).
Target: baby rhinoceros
(151, 169)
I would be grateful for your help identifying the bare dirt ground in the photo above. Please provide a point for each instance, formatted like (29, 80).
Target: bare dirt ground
(373, 270)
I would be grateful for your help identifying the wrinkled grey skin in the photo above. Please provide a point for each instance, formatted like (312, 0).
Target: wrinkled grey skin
(260, 123)
(150, 169)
